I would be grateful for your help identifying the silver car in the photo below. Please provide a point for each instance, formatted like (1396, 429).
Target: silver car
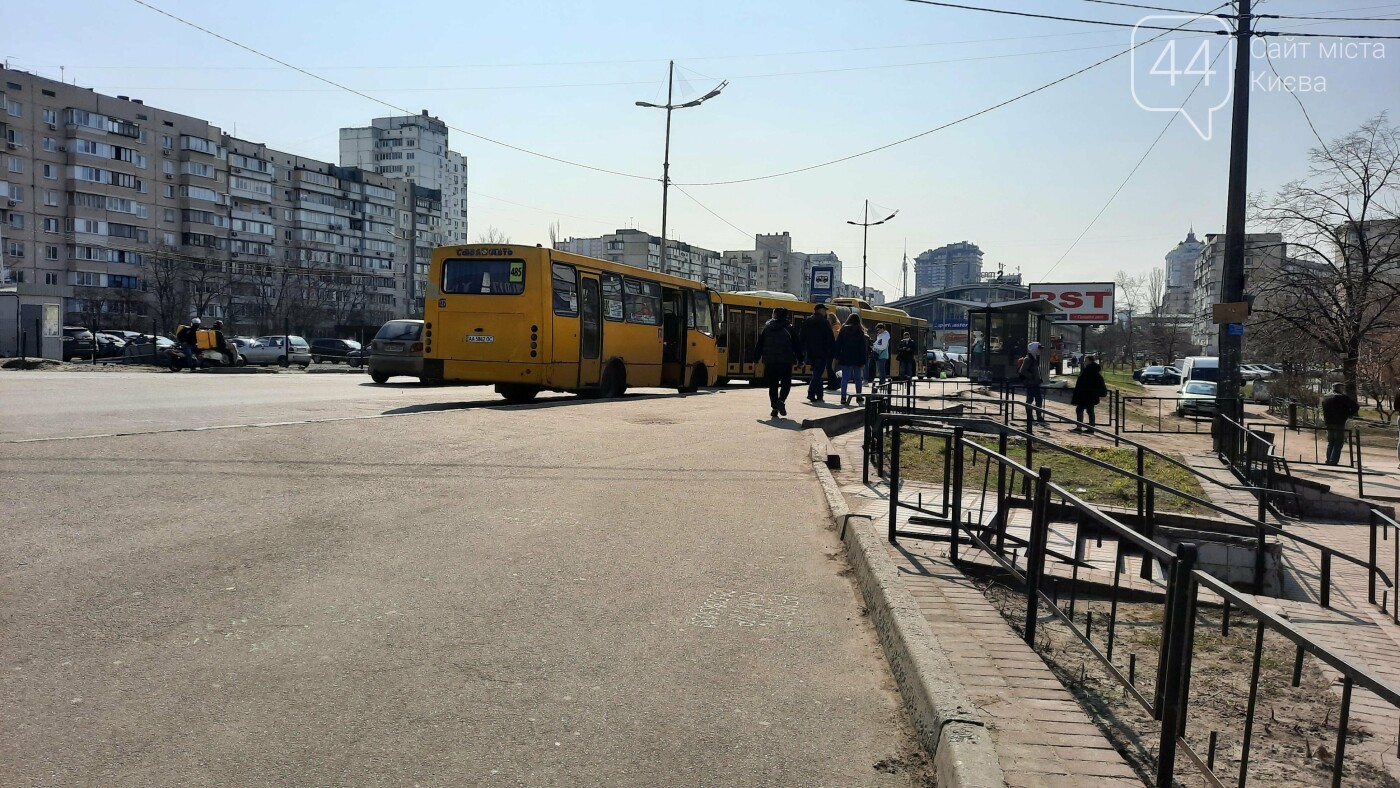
(397, 350)
(274, 350)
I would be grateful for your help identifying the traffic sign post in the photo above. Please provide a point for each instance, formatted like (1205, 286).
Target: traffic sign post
(823, 283)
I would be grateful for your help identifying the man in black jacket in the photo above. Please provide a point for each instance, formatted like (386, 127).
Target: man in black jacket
(1337, 408)
(777, 349)
(818, 344)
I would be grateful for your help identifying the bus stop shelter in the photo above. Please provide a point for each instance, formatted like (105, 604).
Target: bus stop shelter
(1000, 331)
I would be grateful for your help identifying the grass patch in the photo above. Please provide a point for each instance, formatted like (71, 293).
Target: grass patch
(1088, 481)
(1123, 380)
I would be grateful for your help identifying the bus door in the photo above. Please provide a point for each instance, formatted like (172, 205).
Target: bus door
(590, 352)
(673, 309)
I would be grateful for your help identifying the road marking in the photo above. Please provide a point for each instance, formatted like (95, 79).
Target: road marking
(222, 427)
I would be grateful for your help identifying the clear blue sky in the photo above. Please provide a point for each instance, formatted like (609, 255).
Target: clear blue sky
(809, 81)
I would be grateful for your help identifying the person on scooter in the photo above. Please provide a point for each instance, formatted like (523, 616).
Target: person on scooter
(188, 337)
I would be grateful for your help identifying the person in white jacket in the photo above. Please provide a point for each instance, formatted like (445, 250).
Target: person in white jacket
(881, 349)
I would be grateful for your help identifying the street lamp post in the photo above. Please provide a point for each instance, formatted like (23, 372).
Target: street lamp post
(865, 243)
(666, 159)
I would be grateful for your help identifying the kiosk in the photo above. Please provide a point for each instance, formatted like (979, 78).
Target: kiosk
(998, 333)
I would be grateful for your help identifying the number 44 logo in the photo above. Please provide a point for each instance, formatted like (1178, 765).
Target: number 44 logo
(1200, 65)
(1169, 75)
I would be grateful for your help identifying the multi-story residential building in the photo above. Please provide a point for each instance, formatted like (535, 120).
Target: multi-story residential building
(414, 148)
(1181, 276)
(129, 216)
(643, 250)
(948, 266)
(1266, 256)
(773, 265)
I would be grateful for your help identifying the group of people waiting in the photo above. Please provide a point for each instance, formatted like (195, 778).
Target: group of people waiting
(825, 344)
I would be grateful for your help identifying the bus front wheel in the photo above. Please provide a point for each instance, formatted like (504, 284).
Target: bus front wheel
(614, 382)
(699, 378)
(517, 393)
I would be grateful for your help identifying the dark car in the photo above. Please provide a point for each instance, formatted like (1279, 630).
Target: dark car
(336, 351)
(397, 350)
(78, 342)
(1159, 375)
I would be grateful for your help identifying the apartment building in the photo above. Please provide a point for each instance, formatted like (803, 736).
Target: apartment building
(953, 265)
(414, 149)
(643, 250)
(1177, 298)
(129, 216)
(773, 265)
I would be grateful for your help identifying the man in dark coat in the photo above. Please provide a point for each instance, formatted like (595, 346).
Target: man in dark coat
(1337, 408)
(818, 344)
(1089, 388)
(777, 349)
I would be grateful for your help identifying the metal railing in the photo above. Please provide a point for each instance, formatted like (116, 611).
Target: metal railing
(1165, 414)
(1024, 552)
(1384, 529)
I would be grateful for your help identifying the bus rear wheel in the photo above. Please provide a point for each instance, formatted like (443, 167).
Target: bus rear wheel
(517, 393)
(614, 380)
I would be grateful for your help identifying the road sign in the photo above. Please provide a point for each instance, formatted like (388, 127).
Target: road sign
(1237, 312)
(823, 282)
(1235, 329)
(1083, 303)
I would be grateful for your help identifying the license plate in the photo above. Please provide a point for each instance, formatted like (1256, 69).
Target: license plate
(392, 348)
(480, 338)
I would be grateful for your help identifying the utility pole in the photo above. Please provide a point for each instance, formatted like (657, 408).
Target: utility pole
(865, 224)
(669, 106)
(1232, 271)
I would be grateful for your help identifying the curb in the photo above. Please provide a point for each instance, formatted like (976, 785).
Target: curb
(946, 720)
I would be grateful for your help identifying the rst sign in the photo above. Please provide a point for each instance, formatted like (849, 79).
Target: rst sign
(1083, 304)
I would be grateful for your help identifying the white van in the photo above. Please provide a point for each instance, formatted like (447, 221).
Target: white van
(1199, 368)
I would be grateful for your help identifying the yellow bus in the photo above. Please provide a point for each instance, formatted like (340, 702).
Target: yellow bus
(740, 315)
(529, 319)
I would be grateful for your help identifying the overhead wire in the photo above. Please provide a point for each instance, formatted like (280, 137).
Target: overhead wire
(1136, 166)
(954, 122)
(1082, 21)
(390, 105)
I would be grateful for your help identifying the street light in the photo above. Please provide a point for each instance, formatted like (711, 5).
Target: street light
(865, 243)
(666, 161)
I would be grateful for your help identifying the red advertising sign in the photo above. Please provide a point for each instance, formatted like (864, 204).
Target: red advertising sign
(1084, 304)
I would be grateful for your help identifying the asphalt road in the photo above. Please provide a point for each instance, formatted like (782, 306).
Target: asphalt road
(635, 592)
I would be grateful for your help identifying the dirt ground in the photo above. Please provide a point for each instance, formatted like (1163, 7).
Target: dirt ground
(1295, 730)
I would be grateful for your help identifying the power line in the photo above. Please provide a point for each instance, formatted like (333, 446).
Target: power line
(1137, 166)
(1100, 22)
(1330, 18)
(951, 123)
(1146, 7)
(387, 104)
(1360, 36)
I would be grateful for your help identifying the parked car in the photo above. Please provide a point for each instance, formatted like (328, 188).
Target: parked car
(397, 350)
(335, 351)
(1197, 398)
(1158, 375)
(109, 345)
(270, 350)
(1255, 372)
(936, 361)
(78, 342)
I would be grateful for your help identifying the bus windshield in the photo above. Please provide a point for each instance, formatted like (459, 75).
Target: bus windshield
(483, 277)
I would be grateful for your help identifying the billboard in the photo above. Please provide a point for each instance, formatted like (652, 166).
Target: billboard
(1084, 304)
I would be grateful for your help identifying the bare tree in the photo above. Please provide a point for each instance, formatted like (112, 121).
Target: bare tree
(1342, 283)
(166, 281)
(1154, 290)
(493, 235)
(554, 234)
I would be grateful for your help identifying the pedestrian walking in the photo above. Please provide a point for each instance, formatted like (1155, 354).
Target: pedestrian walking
(818, 346)
(904, 352)
(777, 349)
(188, 337)
(1029, 372)
(881, 348)
(851, 354)
(1088, 390)
(834, 382)
(1337, 408)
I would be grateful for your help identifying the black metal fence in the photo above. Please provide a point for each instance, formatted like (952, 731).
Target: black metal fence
(1008, 516)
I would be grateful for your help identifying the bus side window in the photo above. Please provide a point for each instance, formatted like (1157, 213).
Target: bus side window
(565, 291)
(612, 296)
(721, 326)
(699, 317)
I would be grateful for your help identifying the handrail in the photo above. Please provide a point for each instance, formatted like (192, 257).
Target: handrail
(1340, 663)
(1081, 505)
(1257, 524)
